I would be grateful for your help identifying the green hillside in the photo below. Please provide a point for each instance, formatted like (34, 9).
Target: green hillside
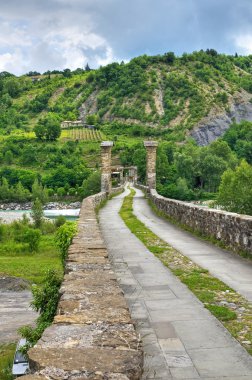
(161, 91)
(172, 99)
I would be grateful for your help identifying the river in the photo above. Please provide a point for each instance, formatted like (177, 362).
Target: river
(10, 216)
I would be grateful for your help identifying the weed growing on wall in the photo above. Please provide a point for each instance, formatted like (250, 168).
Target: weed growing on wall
(64, 237)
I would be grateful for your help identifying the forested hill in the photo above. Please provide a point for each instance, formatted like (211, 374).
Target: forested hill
(198, 95)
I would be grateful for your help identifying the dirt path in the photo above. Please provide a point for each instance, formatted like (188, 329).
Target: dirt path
(15, 309)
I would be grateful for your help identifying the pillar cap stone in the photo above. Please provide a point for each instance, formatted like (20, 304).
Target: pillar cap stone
(150, 143)
(106, 143)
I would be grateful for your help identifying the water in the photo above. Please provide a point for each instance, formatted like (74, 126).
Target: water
(69, 214)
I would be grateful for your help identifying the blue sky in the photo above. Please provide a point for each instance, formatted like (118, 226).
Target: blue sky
(56, 34)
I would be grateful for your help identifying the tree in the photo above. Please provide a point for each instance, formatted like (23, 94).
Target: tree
(87, 68)
(92, 119)
(39, 192)
(91, 185)
(12, 86)
(5, 191)
(48, 128)
(169, 57)
(235, 191)
(67, 73)
(37, 213)
(21, 194)
(8, 157)
(28, 156)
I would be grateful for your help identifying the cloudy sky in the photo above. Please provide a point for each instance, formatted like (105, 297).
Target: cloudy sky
(57, 34)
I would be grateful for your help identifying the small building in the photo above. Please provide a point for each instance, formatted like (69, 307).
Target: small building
(71, 124)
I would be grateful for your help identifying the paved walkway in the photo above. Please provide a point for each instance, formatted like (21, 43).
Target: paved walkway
(228, 267)
(181, 339)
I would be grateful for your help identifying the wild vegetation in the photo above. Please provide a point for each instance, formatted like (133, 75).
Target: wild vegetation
(159, 97)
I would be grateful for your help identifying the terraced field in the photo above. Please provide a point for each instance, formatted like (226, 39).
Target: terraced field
(82, 134)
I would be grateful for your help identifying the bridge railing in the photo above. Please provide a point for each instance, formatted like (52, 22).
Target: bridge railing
(233, 230)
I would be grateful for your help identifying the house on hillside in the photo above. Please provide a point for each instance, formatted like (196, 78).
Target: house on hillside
(71, 124)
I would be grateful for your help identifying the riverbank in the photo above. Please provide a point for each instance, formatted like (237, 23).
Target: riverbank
(8, 216)
(48, 206)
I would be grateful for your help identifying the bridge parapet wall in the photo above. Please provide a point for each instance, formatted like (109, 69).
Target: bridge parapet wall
(116, 190)
(92, 336)
(234, 230)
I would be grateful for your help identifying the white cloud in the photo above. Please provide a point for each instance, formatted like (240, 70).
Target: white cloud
(244, 43)
(13, 62)
(55, 34)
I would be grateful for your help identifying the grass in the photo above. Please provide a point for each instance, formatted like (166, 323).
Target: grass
(235, 314)
(17, 261)
(6, 358)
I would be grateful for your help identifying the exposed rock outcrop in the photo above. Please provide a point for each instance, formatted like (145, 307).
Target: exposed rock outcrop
(217, 123)
(89, 107)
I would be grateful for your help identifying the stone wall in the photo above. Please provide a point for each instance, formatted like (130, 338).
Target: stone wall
(234, 230)
(117, 190)
(92, 336)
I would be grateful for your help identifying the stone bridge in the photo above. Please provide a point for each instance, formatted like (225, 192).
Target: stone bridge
(122, 315)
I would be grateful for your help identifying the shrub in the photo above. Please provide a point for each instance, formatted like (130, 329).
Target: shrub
(59, 221)
(37, 213)
(32, 237)
(47, 227)
(61, 192)
(45, 301)
(64, 237)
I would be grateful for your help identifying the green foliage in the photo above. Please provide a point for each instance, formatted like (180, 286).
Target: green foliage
(160, 97)
(37, 212)
(25, 234)
(48, 128)
(239, 138)
(91, 185)
(16, 258)
(235, 191)
(59, 221)
(39, 192)
(92, 119)
(6, 360)
(32, 237)
(222, 312)
(45, 297)
(45, 301)
(64, 237)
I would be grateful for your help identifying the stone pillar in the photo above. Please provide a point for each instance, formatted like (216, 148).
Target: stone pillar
(151, 150)
(121, 177)
(135, 175)
(106, 147)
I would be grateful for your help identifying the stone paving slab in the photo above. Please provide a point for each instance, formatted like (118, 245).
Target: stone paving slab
(181, 339)
(225, 265)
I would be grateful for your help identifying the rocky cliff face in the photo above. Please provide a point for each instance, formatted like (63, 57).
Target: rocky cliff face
(216, 124)
(89, 107)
